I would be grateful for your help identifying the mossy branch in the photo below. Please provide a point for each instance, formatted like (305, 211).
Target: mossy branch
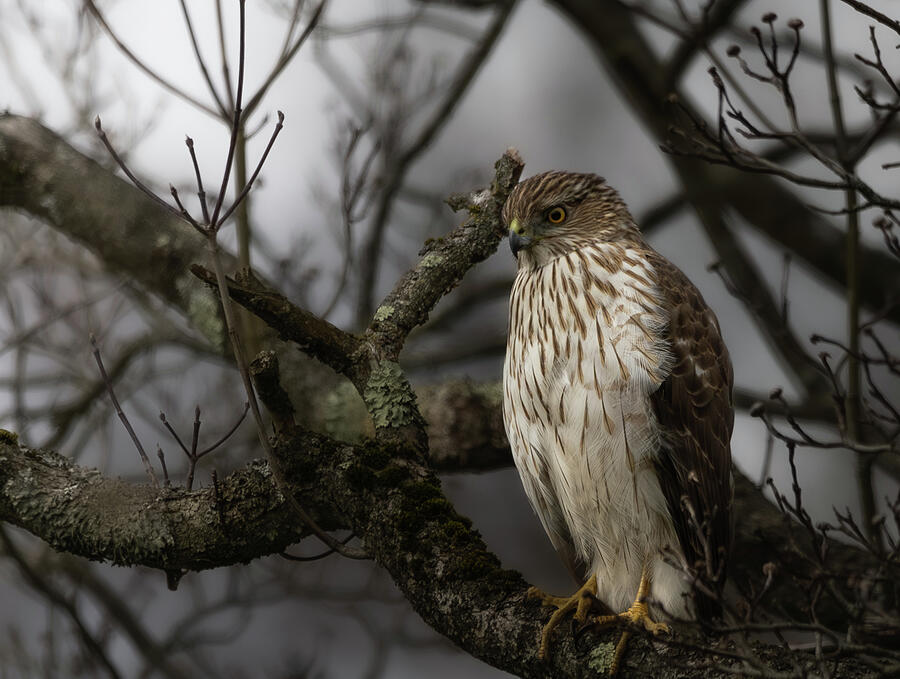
(371, 364)
(385, 495)
(446, 260)
(313, 335)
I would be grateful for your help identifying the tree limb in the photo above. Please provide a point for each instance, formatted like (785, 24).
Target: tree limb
(387, 498)
(44, 176)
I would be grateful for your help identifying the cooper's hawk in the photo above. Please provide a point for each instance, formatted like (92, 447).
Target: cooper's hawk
(617, 404)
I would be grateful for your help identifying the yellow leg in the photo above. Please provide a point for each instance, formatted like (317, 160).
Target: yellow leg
(581, 601)
(637, 614)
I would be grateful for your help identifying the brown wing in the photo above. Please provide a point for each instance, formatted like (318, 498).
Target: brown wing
(695, 409)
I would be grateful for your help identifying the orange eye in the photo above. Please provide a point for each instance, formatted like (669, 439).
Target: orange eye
(557, 215)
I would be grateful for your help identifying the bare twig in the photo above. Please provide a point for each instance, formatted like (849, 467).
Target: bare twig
(286, 58)
(236, 119)
(160, 80)
(395, 174)
(124, 418)
(201, 62)
(869, 11)
(243, 194)
(201, 194)
(128, 173)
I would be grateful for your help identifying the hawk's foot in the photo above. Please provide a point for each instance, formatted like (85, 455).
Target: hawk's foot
(580, 601)
(637, 615)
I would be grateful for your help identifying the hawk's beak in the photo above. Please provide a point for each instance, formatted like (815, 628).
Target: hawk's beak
(516, 240)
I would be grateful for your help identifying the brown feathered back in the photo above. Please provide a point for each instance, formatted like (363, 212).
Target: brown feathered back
(695, 409)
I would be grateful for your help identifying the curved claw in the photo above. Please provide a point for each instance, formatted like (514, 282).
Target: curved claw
(581, 601)
(637, 615)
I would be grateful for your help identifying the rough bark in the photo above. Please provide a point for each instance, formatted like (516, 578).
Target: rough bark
(393, 502)
(78, 510)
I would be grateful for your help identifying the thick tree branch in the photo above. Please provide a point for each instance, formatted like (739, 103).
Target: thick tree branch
(44, 176)
(387, 498)
(77, 510)
(313, 335)
(446, 260)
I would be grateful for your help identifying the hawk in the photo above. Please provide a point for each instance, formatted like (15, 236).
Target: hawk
(617, 405)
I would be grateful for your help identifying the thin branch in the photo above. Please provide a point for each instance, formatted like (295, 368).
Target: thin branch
(869, 11)
(286, 58)
(223, 55)
(243, 194)
(124, 418)
(227, 435)
(201, 62)
(171, 430)
(396, 173)
(235, 123)
(167, 482)
(201, 194)
(94, 10)
(315, 336)
(128, 173)
(183, 211)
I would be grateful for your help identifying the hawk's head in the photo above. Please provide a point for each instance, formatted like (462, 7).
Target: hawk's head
(555, 212)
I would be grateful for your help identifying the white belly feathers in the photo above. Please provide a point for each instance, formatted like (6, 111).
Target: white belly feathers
(585, 352)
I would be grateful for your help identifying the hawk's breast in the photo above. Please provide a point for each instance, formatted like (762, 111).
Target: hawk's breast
(586, 348)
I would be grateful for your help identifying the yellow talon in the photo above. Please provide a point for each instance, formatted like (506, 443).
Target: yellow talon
(581, 601)
(637, 614)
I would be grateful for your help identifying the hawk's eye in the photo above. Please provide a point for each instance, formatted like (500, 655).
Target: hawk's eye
(556, 215)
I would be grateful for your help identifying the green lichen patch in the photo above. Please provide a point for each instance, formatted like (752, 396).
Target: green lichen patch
(9, 437)
(389, 398)
(601, 658)
(90, 515)
(383, 313)
(431, 261)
